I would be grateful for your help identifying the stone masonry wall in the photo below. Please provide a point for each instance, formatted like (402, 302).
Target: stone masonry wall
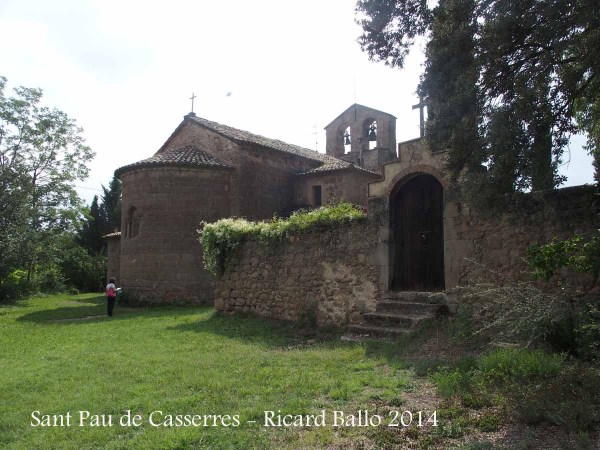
(348, 185)
(113, 260)
(262, 184)
(163, 262)
(330, 276)
(501, 243)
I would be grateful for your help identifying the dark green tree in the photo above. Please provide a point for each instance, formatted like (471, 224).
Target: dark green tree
(111, 205)
(450, 85)
(535, 67)
(92, 229)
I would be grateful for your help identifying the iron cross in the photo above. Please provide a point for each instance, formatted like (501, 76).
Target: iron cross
(421, 105)
(192, 99)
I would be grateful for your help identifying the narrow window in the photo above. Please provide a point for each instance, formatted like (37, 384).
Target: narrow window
(317, 196)
(132, 227)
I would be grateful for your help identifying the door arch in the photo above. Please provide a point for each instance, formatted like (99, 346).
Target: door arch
(416, 216)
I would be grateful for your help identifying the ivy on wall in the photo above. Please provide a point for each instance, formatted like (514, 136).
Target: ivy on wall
(221, 239)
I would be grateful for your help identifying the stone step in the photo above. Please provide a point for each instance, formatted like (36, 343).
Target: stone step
(416, 297)
(372, 331)
(393, 320)
(411, 308)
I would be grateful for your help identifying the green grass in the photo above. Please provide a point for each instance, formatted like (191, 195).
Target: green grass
(61, 354)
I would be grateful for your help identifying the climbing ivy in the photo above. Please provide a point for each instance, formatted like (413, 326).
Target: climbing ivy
(222, 238)
(576, 253)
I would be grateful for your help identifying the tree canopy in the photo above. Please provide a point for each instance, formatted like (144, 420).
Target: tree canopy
(507, 81)
(42, 154)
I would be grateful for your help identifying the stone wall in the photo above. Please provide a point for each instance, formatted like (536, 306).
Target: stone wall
(263, 181)
(113, 260)
(330, 276)
(348, 185)
(500, 243)
(162, 262)
(337, 275)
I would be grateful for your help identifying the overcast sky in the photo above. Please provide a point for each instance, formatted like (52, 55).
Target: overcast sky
(126, 69)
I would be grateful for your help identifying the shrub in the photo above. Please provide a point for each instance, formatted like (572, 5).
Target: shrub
(14, 286)
(488, 423)
(571, 398)
(514, 310)
(519, 364)
(221, 239)
(574, 253)
(452, 383)
(587, 333)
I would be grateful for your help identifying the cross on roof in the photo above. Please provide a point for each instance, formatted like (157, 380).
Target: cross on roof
(421, 106)
(192, 99)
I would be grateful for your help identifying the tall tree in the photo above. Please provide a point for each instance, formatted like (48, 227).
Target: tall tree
(111, 205)
(92, 229)
(450, 85)
(537, 70)
(46, 148)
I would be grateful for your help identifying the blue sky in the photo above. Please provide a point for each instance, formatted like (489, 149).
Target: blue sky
(126, 69)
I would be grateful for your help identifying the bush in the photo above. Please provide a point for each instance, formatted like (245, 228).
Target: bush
(452, 383)
(221, 239)
(571, 398)
(575, 253)
(14, 286)
(50, 280)
(587, 333)
(519, 364)
(514, 310)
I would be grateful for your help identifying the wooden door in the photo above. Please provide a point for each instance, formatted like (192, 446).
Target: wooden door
(417, 210)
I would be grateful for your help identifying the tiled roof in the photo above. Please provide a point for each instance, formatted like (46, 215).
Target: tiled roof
(111, 235)
(274, 144)
(188, 156)
(333, 167)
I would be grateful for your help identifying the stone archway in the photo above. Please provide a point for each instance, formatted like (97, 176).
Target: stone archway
(416, 222)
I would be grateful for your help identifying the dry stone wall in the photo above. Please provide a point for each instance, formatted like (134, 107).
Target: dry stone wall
(334, 276)
(500, 243)
(328, 277)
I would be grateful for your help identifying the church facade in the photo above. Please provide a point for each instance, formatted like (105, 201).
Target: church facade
(206, 171)
(417, 238)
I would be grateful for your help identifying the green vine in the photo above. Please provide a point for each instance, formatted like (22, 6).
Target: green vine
(221, 239)
(575, 253)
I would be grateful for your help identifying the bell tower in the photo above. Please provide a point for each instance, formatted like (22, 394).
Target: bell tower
(363, 136)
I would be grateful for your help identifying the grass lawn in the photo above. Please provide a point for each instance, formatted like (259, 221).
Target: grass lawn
(61, 354)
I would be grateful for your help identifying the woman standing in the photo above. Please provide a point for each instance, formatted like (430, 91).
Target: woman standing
(111, 295)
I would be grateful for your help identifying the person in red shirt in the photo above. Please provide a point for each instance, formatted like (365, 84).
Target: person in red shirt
(111, 295)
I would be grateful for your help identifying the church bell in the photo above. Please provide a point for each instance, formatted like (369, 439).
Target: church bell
(346, 138)
(372, 133)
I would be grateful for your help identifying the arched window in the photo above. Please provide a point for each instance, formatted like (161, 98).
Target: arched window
(132, 226)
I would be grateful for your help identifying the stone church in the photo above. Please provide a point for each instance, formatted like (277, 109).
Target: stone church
(206, 171)
(416, 239)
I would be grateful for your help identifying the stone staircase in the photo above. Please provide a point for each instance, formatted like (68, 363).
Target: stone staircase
(400, 312)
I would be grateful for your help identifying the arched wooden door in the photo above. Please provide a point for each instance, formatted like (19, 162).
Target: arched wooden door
(417, 221)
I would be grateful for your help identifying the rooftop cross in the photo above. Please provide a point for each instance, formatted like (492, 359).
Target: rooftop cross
(421, 105)
(192, 99)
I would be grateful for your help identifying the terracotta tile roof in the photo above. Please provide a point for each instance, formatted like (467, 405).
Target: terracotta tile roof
(274, 144)
(188, 156)
(333, 167)
(111, 235)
